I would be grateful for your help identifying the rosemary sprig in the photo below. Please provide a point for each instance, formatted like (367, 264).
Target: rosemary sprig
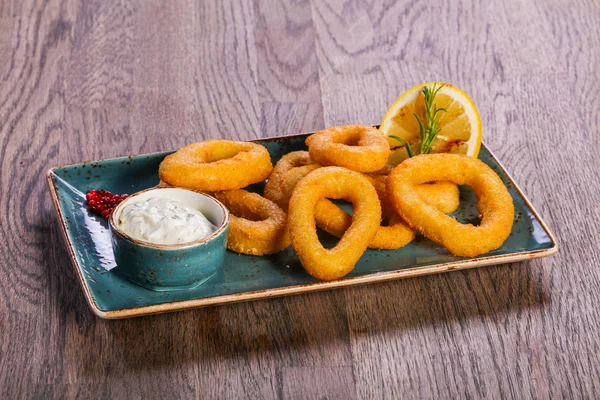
(405, 144)
(428, 129)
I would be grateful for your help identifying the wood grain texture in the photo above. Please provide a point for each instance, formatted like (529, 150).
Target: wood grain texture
(81, 80)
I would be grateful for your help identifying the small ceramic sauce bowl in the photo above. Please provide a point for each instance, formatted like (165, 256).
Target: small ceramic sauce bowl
(162, 267)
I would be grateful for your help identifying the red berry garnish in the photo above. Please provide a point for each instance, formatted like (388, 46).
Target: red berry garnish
(102, 202)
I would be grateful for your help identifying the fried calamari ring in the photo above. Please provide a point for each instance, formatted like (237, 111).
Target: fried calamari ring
(334, 220)
(378, 183)
(291, 160)
(356, 147)
(214, 165)
(493, 199)
(290, 179)
(258, 226)
(336, 183)
(444, 196)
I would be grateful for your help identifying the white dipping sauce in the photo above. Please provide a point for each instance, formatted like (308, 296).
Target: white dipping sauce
(164, 221)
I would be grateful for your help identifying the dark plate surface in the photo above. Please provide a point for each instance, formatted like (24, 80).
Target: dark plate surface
(247, 277)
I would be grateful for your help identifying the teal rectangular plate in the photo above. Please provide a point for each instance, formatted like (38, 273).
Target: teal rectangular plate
(248, 277)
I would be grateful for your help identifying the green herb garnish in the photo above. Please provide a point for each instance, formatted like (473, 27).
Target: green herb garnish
(428, 128)
(405, 144)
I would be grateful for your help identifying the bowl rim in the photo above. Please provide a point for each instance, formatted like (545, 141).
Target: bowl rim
(114, 228)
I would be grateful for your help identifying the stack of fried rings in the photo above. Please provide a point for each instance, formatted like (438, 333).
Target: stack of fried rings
(402, 189)
(404, 198)
(334, 146)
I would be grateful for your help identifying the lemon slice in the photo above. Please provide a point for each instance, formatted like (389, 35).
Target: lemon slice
(460, 125)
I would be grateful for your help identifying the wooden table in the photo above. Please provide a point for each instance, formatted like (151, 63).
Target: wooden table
(83, 80)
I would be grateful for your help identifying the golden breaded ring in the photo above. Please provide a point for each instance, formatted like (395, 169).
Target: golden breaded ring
(336, 183)
(214, 165)
(356, 147)
(444, 196)
(494, 202)
(258, 226)
(378, 183)
(290, 179)
(273, 186)
(334, 220)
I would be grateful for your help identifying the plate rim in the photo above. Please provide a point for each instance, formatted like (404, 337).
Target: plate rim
(294, 289)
